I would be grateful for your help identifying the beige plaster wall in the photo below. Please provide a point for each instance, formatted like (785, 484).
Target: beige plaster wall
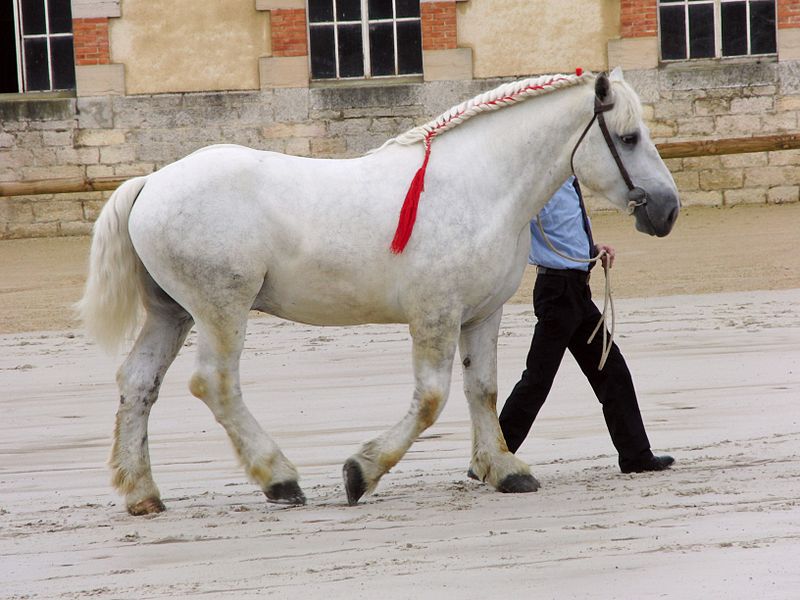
(524, 37)
(186, 45)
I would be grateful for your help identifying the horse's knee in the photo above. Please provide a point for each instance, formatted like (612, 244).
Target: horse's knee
(198, 386)
(431, 403)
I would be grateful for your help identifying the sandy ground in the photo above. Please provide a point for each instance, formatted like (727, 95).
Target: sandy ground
(709, 322)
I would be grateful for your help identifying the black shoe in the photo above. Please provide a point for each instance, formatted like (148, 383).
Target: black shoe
(471, 474)
(653, 463)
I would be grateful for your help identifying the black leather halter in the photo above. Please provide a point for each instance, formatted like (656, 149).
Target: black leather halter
(636, 196)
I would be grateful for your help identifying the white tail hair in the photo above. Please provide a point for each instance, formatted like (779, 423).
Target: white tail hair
(111, 303)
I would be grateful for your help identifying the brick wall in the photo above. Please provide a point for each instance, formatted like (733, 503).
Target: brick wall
(90, 37)
(638, 18)
(788, 14)
(288, 27)
(438, 25)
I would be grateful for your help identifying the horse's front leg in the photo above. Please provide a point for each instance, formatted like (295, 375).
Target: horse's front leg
(491, 460)
(434, 344)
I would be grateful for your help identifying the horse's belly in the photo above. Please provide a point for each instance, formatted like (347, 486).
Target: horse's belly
(317, 299)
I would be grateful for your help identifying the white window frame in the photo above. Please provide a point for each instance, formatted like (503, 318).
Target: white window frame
(20, 37)
(365, 22)
(717, 4)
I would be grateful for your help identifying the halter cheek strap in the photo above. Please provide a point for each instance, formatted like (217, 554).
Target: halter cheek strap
(636, 195)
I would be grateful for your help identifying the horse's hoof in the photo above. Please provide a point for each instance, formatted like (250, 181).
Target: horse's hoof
(285, 492)
(354, 482)
(150, 506)
(518, 483)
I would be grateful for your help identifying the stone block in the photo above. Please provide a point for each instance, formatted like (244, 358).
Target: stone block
(112, 155)
(687, 180)
(298, 147)
(738, 125)
(744, 161)
(31, 230)
(712, 106)
(750, 195)
(328, 147)
(721, 179)
(57, 138)
(99, 137)
(75, 228)
(633, 53)
(781, 158)
(779, 122)
(289, 130)
(7, 140)
(701, 198)
(783, 194)
(758, 105)
(698, 126)
(95, 113)
(51, 172)
(771, 176)
(100, 80)
(47, 211)
(446, 65)
(291, 105)
(16, 210)
(283, 71)
(92, 208)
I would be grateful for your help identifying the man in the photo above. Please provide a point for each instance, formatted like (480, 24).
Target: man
(566, 318)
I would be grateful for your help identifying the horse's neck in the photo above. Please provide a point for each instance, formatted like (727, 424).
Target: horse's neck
(521, 152)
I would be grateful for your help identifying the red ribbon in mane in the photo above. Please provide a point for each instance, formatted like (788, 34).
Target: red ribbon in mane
(408, 214)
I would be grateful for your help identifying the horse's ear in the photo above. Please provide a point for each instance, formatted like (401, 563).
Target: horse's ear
(602, 87)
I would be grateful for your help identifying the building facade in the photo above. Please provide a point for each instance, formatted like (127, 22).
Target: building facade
(93, 89)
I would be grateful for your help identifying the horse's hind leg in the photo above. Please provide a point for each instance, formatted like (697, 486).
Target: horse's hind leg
(491, 460)
(139, 379)
(216, 382)
(433, 350)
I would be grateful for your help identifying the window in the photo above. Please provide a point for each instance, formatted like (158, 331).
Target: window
(364, 38)
(36, 51)
(716, 28)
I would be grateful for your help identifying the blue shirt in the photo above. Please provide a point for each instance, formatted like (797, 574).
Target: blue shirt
(562, 221)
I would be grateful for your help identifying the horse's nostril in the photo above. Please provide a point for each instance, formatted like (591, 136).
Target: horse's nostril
(673, 216)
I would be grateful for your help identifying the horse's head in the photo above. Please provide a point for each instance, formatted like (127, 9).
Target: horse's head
(617, 158)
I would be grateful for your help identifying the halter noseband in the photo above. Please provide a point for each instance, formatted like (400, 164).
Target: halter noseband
(636, 196)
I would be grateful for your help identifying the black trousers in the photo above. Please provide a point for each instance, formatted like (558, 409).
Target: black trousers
(566, 317)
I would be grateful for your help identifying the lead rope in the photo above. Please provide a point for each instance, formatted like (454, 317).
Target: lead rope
(608, 298)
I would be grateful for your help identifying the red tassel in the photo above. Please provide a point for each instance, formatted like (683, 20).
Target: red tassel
(408, 214)
(578, 71)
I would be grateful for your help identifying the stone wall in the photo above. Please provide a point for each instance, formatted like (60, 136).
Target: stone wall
(124, 136)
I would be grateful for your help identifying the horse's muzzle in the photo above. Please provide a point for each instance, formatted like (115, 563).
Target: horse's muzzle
(656, 215)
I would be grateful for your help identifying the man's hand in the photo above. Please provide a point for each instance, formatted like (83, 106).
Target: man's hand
(608, 254)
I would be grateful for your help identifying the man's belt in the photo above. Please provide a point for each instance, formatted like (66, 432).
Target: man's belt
(582, 276)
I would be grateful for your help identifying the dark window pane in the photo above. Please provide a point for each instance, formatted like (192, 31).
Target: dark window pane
(380, 9)
(409, 48)
(323, 52)
(762, 28)
(351, 51)
(673, 33)
(37, 75)
(381, 48)
(348, 10)
(320, 11)
(734, 28)
(701, 31)
(9, 84)
(60, 15)
(33, 17)
(63, 63)
(407, 8)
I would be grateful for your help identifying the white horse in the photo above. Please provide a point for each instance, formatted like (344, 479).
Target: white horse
(228, 229)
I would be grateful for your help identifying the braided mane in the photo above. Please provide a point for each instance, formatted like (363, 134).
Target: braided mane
(504, 95)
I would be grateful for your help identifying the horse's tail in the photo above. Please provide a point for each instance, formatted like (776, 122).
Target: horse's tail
(110, 307)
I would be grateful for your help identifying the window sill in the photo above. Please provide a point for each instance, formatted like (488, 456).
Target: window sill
(705, 63)
(365, 83)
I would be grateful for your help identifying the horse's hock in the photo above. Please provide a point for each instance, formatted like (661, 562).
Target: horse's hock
(53, 150)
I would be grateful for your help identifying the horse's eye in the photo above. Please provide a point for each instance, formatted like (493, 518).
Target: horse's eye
(630, 139)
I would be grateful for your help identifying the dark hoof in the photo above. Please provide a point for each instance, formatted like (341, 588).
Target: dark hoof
(285, 492)
(151, 506)
(354, 482)
(471, 474)
(518, 483)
